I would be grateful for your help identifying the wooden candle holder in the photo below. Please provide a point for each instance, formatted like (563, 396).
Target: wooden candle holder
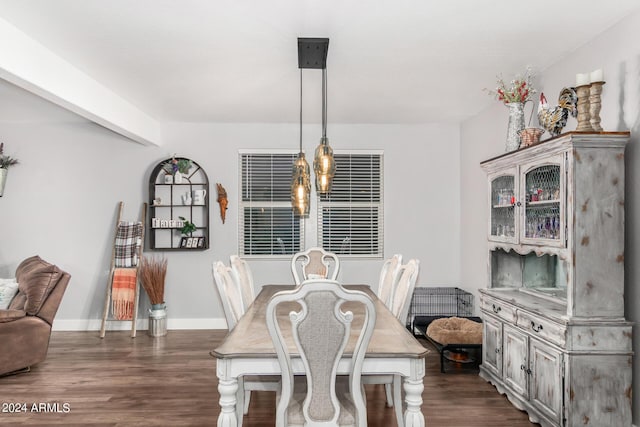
(595, 104)
(584, 117)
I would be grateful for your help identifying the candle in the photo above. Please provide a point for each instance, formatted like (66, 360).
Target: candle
(597, 76)
(582, 79)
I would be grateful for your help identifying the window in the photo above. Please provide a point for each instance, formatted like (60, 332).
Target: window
(350, 217)
(267, 223)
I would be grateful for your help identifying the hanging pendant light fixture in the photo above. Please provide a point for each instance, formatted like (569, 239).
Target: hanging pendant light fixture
(301, 180)
(324, 165)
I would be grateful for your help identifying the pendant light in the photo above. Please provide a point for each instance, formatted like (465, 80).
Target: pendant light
(301, 180)
(324, 165)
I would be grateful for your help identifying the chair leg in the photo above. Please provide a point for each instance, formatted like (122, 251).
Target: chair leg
(397, 400)
(388, 392)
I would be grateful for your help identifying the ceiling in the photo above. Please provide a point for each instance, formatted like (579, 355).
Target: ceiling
(389, 61)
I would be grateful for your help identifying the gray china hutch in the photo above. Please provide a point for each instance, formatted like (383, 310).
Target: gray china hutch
(555, 338)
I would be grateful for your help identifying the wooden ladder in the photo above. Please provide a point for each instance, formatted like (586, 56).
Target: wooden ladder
(107, 303)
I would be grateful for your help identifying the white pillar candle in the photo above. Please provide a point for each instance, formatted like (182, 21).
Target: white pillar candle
(582, 79)
(597, 76)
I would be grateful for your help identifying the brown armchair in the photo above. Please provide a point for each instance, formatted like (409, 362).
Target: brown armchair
(25, 327)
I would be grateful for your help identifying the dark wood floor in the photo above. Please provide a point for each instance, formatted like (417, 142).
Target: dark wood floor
(170, 381)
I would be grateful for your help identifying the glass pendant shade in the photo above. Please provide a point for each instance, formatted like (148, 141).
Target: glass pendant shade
(324, 166)
(301, 186)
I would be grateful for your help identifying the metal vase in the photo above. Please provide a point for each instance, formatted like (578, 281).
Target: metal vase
(3, 179)
(516, 125)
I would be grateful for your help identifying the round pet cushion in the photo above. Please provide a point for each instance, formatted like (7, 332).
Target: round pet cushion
(455, 330)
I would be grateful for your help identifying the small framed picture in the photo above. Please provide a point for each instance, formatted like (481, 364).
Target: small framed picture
(200, 242)
(183, 242)
(192, 242)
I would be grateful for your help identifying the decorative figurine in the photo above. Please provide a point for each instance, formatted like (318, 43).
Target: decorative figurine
(222, 200)
(555, 119)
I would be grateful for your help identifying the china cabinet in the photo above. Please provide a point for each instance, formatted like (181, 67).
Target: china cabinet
(174, 198)
(555, 338)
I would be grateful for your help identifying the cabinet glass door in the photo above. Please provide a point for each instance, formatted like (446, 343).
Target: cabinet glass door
(543, 190)
(502, 226)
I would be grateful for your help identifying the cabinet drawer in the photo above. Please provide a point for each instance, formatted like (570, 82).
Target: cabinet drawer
(499, 308)
(542, 328)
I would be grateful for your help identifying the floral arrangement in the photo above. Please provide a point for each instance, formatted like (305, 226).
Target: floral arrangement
(174, 165)
(6, 161)
(152, 275)
(519, 89)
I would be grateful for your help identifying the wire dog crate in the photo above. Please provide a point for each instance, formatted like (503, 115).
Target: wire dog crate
(441, 301)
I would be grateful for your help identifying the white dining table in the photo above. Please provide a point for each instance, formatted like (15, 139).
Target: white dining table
(248, 350)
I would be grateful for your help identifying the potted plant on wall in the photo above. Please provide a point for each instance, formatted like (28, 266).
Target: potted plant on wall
(5, 163)
(152, 275)
(177, 168)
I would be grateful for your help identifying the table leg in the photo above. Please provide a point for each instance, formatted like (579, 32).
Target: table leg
(227, 389)
(413, 388)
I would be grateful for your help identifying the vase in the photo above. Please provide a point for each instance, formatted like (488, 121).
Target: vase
(158, 320)
(3, 179)
(516, 125)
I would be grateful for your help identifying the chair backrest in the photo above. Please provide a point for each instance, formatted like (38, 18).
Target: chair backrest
(320, 331)
(403, 289)
(315, 263)
(229, 293)
(388, 276)
(243, 277)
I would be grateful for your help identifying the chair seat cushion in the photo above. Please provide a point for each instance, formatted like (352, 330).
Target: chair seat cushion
(455, 330)
(347, 408)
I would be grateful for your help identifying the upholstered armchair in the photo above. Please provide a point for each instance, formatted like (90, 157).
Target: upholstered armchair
(25, 327)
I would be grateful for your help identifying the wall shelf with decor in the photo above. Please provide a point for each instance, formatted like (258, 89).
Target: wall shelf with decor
(178, 195)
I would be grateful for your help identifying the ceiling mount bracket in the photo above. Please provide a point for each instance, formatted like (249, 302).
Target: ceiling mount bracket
(312, 52)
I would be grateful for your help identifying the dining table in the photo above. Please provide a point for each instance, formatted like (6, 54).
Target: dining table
(248, 350)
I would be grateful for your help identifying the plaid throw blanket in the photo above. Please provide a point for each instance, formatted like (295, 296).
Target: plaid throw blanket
(123, 293)
(128, 241)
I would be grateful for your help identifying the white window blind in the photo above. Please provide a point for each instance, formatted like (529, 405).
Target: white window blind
(350, 217)
(268, 225)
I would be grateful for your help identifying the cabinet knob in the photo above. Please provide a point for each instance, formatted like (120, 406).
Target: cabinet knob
(518, 204)
(525, 369)
(496, 309)
(535, 328)
(497, 350)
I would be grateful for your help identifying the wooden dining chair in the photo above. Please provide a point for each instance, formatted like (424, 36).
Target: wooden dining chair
(388, 276)
(400, 299)
(229, 293)
(320, 332)
(314, 263)
(403, 290)
(233, 307)
(244, 278)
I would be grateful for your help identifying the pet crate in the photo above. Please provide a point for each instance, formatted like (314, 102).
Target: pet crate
(439, 301)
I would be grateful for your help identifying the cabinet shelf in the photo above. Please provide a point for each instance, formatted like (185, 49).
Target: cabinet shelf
(543, 203)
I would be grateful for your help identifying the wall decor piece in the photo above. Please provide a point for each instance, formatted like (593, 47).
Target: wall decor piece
(5, 163)
(222, 201)
(175, 203)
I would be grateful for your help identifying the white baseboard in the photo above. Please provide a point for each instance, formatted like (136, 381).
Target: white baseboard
(142, 324)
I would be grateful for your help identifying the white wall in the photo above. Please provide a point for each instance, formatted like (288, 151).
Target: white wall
(616, 51)
(61, 203)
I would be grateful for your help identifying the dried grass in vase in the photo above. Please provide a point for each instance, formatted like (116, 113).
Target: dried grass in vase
(152, 274)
